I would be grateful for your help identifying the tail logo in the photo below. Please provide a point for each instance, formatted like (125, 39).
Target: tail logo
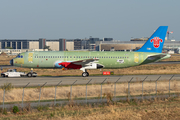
(156, 42)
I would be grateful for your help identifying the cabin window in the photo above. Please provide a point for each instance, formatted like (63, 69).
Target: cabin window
(67, 56)
(74, 56)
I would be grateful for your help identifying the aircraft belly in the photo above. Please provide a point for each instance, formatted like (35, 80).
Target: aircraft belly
(45, 63)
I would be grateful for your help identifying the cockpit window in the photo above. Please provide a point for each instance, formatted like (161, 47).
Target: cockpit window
(19, 56)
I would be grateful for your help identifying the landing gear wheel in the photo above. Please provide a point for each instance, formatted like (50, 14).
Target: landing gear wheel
(29, 75)
(85, 74)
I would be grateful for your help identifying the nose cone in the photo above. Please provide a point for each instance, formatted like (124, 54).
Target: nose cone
(11, 62)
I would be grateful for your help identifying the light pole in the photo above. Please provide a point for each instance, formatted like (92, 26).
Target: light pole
(173, 40)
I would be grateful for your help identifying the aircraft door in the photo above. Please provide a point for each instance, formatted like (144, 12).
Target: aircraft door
(37, 59)
(30, 57)
(136, 57)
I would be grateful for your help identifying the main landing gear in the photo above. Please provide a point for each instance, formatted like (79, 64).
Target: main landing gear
(85, 74)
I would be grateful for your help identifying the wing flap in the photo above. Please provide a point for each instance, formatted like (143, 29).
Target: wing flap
(84, 62)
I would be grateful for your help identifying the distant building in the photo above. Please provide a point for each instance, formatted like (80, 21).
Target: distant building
(62, 44)
(77, 44)
(55, 45)
(140, 39)
(107, 39)
(90, 44)
(42, 43)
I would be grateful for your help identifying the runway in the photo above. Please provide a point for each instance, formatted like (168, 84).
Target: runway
(52, 81)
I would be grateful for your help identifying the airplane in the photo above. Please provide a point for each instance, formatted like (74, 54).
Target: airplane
(150, 52)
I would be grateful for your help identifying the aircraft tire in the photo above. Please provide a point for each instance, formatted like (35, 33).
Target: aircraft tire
(85, 74)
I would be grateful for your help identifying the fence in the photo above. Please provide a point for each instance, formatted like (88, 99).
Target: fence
(91, 93)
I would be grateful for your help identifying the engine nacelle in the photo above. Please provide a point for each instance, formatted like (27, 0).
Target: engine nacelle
(57, 65)
(94, 66)
(68, 65)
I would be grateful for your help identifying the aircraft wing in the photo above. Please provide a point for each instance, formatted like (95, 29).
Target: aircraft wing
(76, 64)
(84, 62)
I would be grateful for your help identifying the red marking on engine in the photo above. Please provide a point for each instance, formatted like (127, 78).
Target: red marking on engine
(70, 65)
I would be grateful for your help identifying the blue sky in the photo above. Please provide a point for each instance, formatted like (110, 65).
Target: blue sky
(118, 19)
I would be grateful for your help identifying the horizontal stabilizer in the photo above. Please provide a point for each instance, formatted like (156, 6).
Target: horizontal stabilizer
(155, 57)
